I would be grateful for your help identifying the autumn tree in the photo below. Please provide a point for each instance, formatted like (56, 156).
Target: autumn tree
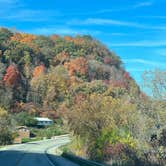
(12, 76)
(54, 37)
(38, 70)
(51, 88)
(77, 66)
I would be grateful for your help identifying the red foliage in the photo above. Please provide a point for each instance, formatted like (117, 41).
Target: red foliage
(38, 70)
(126, 75)
(114, 150)
(12, 76)
(143, 95)
(107, 82)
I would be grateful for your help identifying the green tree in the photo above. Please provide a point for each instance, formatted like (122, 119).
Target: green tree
(5, 34)
(6, 136)
(25, 119)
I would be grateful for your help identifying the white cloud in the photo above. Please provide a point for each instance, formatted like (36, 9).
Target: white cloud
(31, 15)
(61, 31)
(103, 22)
(161, 52)
(142, 4)
(157, 17)
(145, 62)
(132, 7)
(117, 34)
(139, 44)
(24, 15)
(110, 10)
(100, 21)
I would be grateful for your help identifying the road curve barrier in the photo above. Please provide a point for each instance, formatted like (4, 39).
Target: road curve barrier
(80, 161)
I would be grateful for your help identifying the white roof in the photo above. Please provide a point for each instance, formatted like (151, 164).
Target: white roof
(43, 119)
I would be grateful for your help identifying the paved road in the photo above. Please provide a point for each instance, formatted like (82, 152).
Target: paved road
(34, 154)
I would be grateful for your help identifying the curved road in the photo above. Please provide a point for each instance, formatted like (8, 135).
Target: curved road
(35, 154)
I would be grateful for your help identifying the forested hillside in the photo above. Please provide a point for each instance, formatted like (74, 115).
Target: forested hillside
(46, 71)
(80, 81)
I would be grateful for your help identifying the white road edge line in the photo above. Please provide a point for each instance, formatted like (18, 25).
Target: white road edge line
(50, 162)
(47, 153)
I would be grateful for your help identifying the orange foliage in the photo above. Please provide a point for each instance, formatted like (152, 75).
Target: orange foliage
(12, 76)
(77, 66)
(68, 38)
(23, 37)
(77, 41)
(38, 70)
(54, 37)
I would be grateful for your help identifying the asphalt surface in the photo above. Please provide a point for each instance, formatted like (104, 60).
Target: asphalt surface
(35, 154)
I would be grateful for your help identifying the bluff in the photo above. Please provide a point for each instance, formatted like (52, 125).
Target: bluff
(41, 72)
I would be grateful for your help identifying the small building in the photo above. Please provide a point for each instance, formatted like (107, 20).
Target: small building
(23, 132)
(44, 121)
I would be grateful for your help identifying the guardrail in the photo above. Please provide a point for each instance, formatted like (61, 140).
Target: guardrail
(80, 161)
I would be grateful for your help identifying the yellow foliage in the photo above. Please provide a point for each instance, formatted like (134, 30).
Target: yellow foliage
(3, 112)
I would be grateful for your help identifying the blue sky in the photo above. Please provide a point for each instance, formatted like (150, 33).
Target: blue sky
(134, 29)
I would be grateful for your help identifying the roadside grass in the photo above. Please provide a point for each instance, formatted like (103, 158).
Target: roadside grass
(66, 149)
(75, 147)
(26, 140)
(1, 147)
